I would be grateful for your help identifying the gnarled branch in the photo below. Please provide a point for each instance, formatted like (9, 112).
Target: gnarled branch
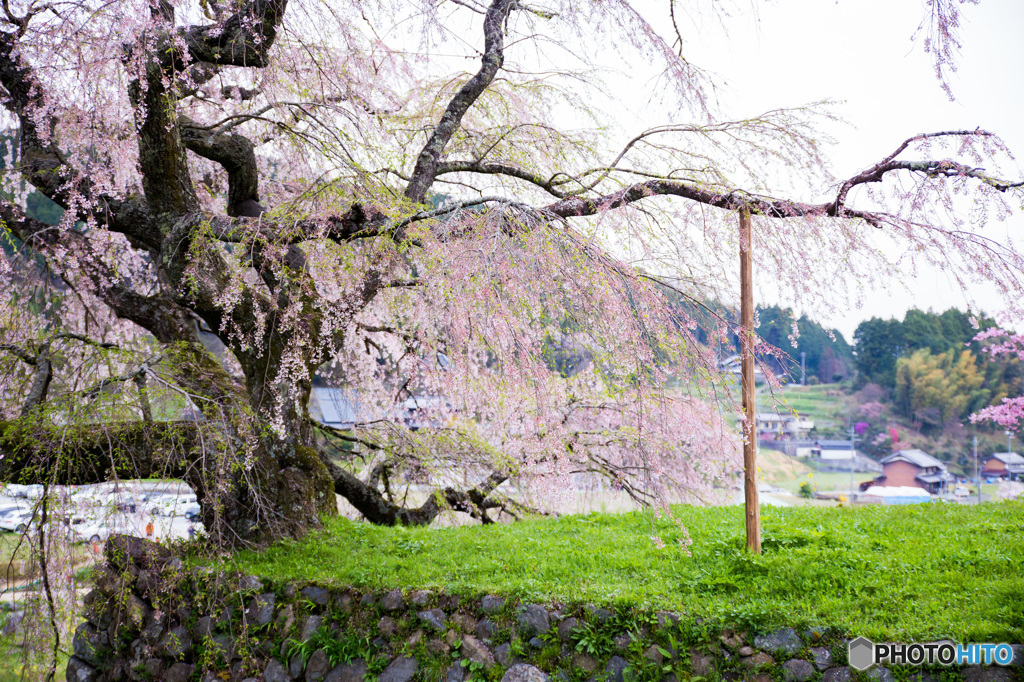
(494, 56)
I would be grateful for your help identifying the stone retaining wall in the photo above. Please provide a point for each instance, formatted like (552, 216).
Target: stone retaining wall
(149, 619)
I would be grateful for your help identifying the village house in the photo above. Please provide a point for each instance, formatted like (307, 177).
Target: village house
(732, 365)
(914, 468)
(772, 426)
(1008, 465)
(341, 408)
(829, 450)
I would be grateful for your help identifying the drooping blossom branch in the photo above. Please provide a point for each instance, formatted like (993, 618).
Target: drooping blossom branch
(1009, 413)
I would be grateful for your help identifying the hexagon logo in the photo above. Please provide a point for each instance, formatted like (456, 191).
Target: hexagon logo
(861, 653)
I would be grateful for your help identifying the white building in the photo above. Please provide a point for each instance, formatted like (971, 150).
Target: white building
(778, 426)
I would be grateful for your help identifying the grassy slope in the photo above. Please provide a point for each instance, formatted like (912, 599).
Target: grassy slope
(777, 466)
(826, 405)
(897, 573)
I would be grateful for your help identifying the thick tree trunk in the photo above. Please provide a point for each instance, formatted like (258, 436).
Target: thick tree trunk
(281, 489)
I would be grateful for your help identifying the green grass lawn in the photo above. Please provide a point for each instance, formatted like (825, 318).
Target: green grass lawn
(830, 480)
(897, 573)
(17, 563)
(13, 669)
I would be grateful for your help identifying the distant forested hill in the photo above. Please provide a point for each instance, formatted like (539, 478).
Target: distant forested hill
(936, 373)
(828, 356)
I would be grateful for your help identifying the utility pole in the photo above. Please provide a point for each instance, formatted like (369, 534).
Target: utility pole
(803, 368)
(750, 501)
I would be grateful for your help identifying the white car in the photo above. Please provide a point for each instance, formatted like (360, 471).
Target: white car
(121, 501)
(10, 508)
(162, 505)
(18, 521)
(192, 511)
(89, 530)
(173, 506)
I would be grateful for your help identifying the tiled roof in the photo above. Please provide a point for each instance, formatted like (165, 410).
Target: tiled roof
(918, 457)
(1008, 457)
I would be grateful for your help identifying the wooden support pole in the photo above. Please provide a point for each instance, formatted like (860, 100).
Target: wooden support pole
(751, 503)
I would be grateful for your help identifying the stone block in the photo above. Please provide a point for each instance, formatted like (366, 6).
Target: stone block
(181, 672)
(89, 644)
(485, 629)
(176, 643)
(784, 641)
(532, 620)
(260, 610)
(822, 657)
(353, 671)
(317, 666)
(492, 604)
(841, 674)
(276, 672)
(616, 669)
(401, 669)
(317, 595)
(435, 618)
(80, 671)
(797, 670)
(566, 628)
(524, 672)
(474, 650)
(392, 601)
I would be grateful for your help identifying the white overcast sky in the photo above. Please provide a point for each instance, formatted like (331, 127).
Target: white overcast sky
(799, 51)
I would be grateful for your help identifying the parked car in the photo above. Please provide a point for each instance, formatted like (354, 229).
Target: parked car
(121, 501)
(18, 521)
(165, 507)
(170, 505)
(192, 512)
(89, 530)
(9, 508)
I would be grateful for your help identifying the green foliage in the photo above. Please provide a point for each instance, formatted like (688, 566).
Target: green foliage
(828, 357)
(474, 669)
(821, 404)
(595, 639)
(856, 568)
(345, 646)
(878, 344)
(934, 390)
(516, 648)
(645, 669)
(806, 490)
(547, 658)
